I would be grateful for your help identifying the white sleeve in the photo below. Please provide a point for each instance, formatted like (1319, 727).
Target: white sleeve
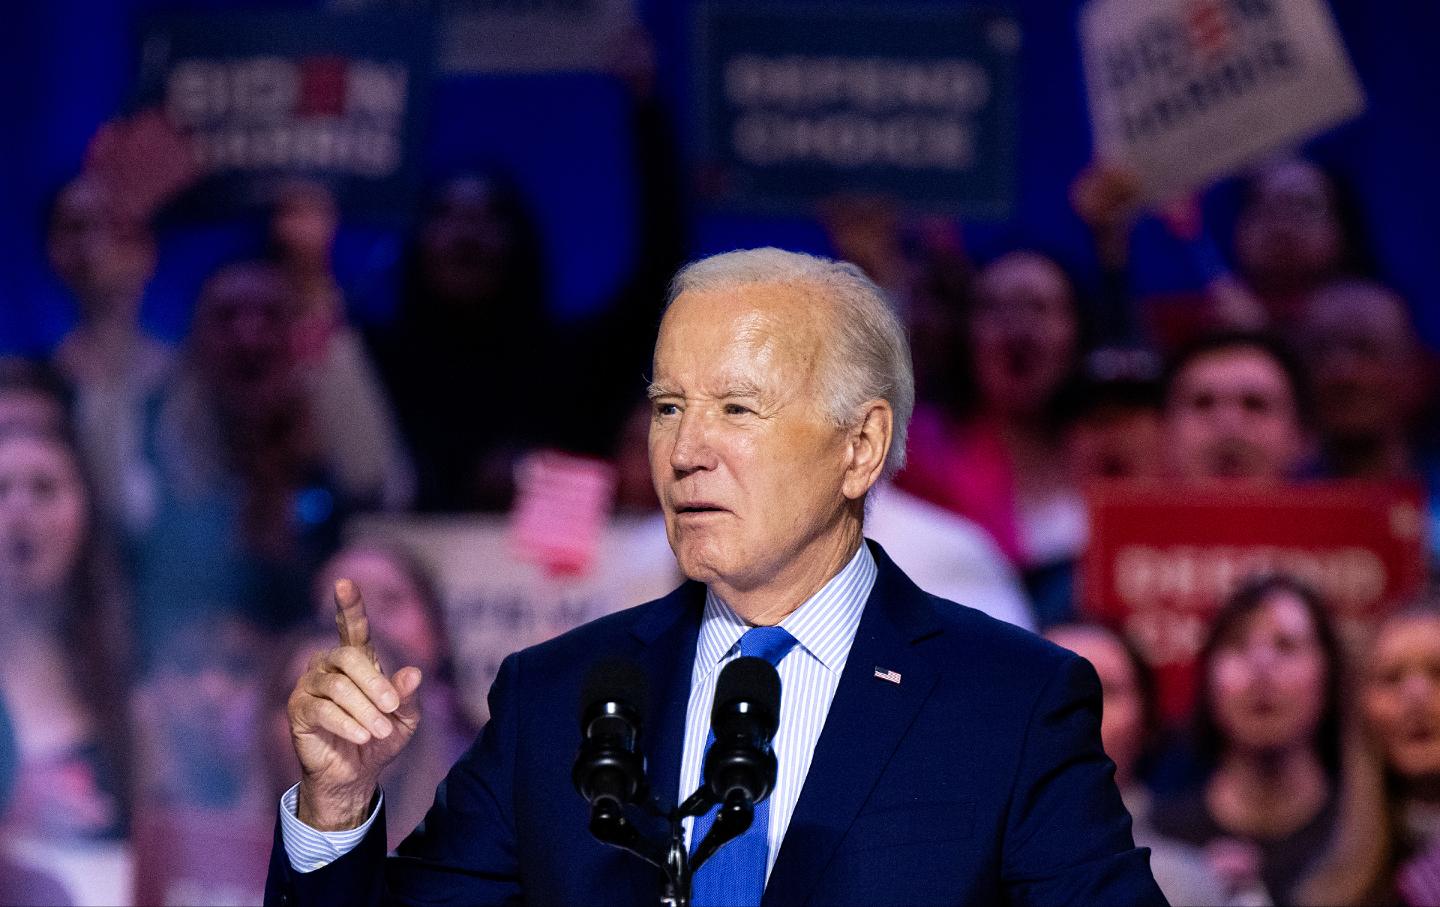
(309, 848)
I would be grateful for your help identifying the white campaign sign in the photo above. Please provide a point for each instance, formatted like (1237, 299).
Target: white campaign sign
(1185, 91)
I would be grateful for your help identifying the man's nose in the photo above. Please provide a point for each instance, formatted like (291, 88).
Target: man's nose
(1231, 416)
(1418, 688)
(692, 450)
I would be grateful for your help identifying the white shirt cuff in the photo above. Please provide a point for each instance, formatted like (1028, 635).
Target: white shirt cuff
(309, 848)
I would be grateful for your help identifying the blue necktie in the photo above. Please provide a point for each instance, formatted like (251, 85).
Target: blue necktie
(735, 875)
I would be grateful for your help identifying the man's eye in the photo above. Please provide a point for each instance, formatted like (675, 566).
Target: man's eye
(1257, 404)
(735, 409)
(666, 409)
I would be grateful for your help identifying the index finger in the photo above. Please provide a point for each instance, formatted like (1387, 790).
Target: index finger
(350, 617)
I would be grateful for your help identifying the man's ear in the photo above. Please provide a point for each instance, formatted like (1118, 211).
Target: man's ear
(869, 442)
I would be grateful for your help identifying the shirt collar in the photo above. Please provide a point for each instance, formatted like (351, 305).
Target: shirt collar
(824, 625)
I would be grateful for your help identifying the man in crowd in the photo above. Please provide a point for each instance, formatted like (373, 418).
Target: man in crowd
(1236, 407)
(927, 754)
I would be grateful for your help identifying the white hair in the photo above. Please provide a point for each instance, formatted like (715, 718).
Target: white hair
(869, 357)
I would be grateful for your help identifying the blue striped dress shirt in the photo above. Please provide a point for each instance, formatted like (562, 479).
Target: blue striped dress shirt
(824, 628)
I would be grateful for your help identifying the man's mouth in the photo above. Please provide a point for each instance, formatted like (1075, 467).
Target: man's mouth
(698, 508)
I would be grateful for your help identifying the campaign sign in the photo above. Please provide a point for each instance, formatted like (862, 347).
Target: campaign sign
(533, 35)
(263, 97)
(800, 101)
(1185, 91)
(1161, 561)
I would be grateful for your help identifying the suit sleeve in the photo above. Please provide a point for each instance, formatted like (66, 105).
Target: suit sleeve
(463, 852)
(1067, 836)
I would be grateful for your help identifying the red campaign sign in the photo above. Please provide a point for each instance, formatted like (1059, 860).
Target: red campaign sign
(1161, 560)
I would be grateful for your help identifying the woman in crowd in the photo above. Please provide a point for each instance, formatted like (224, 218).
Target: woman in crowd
(472, 315)
(1268, 738)
(1386, 849)
(997, 456)
(63, 660)
(473, 321)
(1128, 729)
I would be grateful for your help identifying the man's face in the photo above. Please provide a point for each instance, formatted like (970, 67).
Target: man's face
(1232, 415)
(243, 337)
(748, 466)
(104, 259)
(1024, 332)
(1363, 357)
(1116, 442)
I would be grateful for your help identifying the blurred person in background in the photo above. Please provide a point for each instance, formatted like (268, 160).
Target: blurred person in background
(1386, 849)
(1111, 429)
(1371, 383)
(407, 626)
(921, 264)
(21, 885)
(105, 256)
(198, 713)
(65, 671)
(201, 771)
(1297, 229)
(1236, 408)
(1113, 425)
(470, 316)
(947, 555)
(356, 430)
(33, 397)
(1129, 727)
(473, 316)
(104, 253)
(997, 457)
(247, 508)
(1268, 741)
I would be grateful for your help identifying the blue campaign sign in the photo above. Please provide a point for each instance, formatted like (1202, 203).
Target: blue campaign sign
(800, 101)
(268, 96)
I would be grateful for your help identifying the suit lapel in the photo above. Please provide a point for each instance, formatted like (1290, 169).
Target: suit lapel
(667, 656)
(866, 721)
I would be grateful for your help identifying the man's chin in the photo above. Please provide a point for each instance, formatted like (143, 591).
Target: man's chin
(698, 559)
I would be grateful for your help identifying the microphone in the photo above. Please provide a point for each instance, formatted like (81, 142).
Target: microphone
(609, 770)
(740, 766)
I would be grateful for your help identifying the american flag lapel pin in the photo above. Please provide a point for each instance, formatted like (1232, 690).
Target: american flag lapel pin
(882, 674)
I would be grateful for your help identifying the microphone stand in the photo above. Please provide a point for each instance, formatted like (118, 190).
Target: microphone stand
(609, 825)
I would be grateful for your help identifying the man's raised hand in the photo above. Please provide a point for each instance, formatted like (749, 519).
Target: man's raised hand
(348, 721)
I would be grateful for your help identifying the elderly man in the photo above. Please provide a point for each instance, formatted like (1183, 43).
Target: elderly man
(927, 754)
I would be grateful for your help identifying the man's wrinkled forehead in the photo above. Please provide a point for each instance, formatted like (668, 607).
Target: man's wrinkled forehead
(741, 329)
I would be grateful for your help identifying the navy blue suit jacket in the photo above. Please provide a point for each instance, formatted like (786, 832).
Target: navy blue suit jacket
(978, 779)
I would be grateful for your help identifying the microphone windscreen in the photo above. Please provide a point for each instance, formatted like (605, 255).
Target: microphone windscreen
(615, 680)
(750, 680)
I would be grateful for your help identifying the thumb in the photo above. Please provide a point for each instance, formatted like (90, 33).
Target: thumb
(407, 684)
